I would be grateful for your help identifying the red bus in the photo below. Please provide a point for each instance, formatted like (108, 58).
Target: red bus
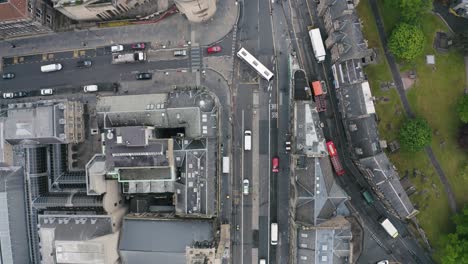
(335, 160)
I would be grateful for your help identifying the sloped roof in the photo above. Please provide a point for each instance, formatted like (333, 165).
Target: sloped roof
(13, 10)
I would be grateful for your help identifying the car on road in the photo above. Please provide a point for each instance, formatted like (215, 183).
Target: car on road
(47, 91)
(144, 76)
(8, 75)
(245, 187)
(84, 64)
(117, 48)
(214, 49)
(383, 262)
(275, 164)
(14, 95)
(287, 146)
(138, 46)
(178, 53)
(90, 88)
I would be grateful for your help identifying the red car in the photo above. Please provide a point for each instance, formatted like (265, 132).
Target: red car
(275, 164)
(214, 49)
(138, 46)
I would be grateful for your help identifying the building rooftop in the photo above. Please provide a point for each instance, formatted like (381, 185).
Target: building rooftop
(301, 86)
(309, 137)
(13, 10)
(363, 133)
(161, 241)
(385, 178)
(348, 72)
(356, 100)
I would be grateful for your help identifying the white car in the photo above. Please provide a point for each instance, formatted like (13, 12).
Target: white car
(117, 48)
(90, 88)
(8, 95)
(245, 187)
(48, 91)
(383, 262)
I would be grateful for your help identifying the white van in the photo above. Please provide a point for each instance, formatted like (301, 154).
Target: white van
(274, 233)
(51, 67)
(247, 140)
(90, 88)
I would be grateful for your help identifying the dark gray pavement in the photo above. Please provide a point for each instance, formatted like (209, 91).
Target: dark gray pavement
(456, 24)
(402, 93)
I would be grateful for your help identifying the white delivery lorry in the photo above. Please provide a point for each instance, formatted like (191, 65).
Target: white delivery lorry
(317, 44)
(247, 140)
(51, 67)
(389, 227)
(225, 164)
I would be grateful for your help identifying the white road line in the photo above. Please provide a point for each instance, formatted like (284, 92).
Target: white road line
(269, 183)
(242, 191)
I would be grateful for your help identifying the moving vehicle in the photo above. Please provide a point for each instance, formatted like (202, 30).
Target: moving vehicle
(319, 96)
(225, 164)
(130, 57)
(8, 95)
(90, 88)
(47, 91)
(8, 75)
(275, 164)
(245, 187)
(367, 196)
(262, 261)
(383, 262)
(317, 44)
(51, 67)
(255, 64)
(117, 48)
(335, 160)
(144, 76)
(274, 233)
(138, 46)
(214, 49)
(84, 64)
(178, 53)
(247, 140)
(389, 227)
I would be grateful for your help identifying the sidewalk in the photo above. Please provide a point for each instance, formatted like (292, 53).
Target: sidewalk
(172, 31)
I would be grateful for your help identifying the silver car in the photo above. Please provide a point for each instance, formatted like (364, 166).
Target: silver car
(245, 187)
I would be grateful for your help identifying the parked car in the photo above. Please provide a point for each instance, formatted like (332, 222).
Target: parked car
(245, 187)
(21, 94)
(138, 46)
(383, 262)
(47, 91)
(287, 146)
(178, 53)
(213, 49)
(275, 164)
(8, 95)
(90, 88)
(117, 48)
(84, 63)
(8, 75)
(144, 76)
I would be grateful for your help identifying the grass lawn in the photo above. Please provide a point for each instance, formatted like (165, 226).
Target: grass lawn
(434, 97)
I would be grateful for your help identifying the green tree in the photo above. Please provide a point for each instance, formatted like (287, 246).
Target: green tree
(415, 134)
(412, 10)
(456, 244)
(462, 109)
(406, 41)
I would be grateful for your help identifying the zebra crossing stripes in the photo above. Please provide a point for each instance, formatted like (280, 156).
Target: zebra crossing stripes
(195, 58)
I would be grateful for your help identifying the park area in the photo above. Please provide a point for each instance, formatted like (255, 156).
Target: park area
(433, 93)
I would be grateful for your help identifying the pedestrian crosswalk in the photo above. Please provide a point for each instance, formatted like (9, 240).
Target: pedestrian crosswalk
(195, 59)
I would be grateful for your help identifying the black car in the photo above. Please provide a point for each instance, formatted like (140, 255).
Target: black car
(8, 75)
(84, 63)
(144, 76)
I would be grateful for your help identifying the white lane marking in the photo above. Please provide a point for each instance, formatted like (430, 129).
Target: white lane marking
(242, 191)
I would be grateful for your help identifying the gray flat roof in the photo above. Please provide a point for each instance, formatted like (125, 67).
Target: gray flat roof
(309, 136)
(161, 241)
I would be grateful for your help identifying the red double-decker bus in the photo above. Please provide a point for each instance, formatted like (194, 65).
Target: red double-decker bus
(335, 160)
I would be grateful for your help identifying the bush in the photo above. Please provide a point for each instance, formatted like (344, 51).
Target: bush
(415, 134)
(462, 109)
(456, 244)
(406, 41)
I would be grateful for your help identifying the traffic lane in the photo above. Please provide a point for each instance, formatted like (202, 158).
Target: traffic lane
(101, 71)
(249, 27)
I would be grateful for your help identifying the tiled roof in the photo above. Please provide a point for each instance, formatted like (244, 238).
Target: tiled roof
(13, 9)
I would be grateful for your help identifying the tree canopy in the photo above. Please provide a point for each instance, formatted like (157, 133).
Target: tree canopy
(412, 10)
(462, 109)
(456, 244)
(415, 134)
(406, 41)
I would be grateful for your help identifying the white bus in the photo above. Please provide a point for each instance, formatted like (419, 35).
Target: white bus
(317, 44)
(255, 64)
(389, 227)
(225, 164)
(274, 233)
